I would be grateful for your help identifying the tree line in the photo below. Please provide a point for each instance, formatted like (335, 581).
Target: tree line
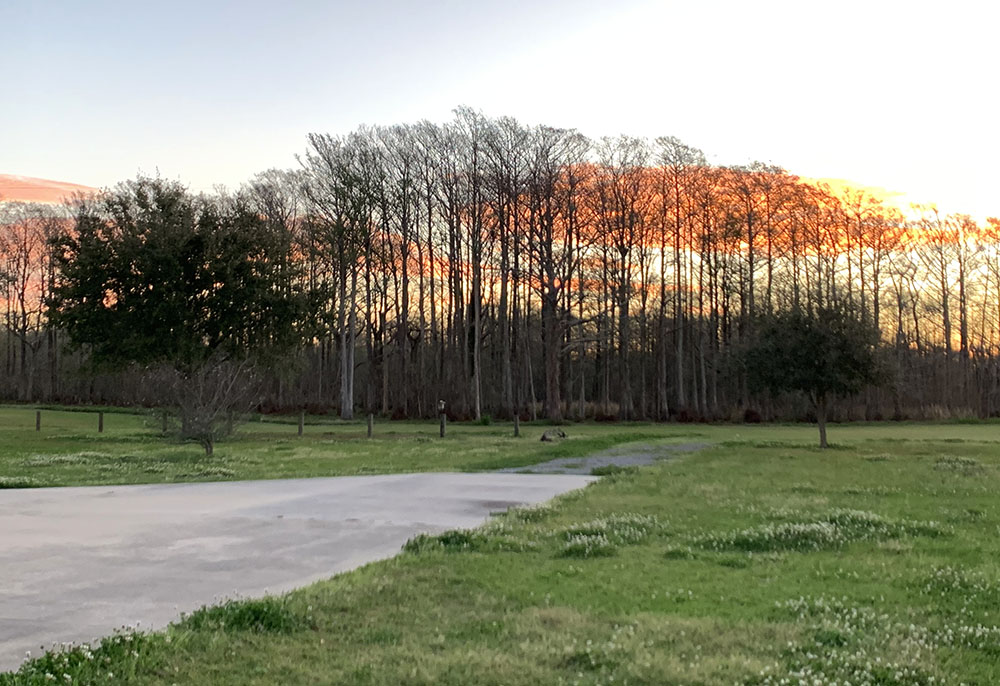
(506, 269)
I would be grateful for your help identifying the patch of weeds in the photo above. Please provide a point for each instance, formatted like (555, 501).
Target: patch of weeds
(423, 543)
(973, 514)
(968, 585)
(877, 458)
(43, 460)
(614, 469)
(208, 472)
(734, 561)
(787, 536)
(267, 615)
(965, 466)
(896, 547)
(602, 537)
(368, 469)
(833, 531)
(217, 471)
(831, 637)
(878, 491)
(843, 640)
(589, 660)
(677, 553)
(115, 658)
(495, 536)
(458, 539)
(625, 528)
(599, 656)
(587, 545)
(19, 482)
(845, 667)
(452, 541)
(535, 513)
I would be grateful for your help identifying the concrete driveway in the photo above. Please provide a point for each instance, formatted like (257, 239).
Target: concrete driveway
(76, 563)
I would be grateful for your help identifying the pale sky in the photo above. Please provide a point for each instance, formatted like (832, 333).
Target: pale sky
(900, 95)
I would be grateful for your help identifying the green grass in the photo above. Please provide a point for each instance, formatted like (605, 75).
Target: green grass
(68, 451)
(759, 561)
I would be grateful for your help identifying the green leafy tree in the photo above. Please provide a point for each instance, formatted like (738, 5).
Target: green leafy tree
(823, 355)
(201, 292)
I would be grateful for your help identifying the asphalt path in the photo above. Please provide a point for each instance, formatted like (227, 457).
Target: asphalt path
(78, 563)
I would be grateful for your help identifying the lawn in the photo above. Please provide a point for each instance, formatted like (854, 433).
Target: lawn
(759, 560)
(69, 451)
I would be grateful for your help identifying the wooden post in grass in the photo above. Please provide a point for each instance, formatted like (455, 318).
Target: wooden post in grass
(517, 426)
(302, 421)
(100, 422)
(164, 422)
(371, 423)
(444, 417)
(38, 420)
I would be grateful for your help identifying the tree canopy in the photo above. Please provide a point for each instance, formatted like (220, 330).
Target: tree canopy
(509, 269)
(825, 354)
(201, 293)
(153, 274)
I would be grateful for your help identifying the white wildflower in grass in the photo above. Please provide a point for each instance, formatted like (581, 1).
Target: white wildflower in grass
(587, 545)
(847, 639)
(971, 586)
(620, 528)
(965, 466)
(530, 514)
(832, 531)
(602, 537)
(87, 663)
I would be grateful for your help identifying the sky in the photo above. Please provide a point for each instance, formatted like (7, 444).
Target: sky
(896, 95)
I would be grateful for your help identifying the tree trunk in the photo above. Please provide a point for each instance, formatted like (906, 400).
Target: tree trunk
(821, 420)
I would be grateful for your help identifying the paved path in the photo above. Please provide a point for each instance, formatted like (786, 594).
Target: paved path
(626, 455)
(76, 563)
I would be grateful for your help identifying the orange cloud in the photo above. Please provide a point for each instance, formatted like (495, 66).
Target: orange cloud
(29, 189)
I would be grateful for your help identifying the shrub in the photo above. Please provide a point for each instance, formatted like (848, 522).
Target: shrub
(267, 615)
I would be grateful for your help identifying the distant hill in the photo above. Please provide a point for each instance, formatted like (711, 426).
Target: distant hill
(29, 189)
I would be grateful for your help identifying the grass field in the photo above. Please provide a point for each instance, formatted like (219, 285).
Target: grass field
(69, 450)
(760, 560)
